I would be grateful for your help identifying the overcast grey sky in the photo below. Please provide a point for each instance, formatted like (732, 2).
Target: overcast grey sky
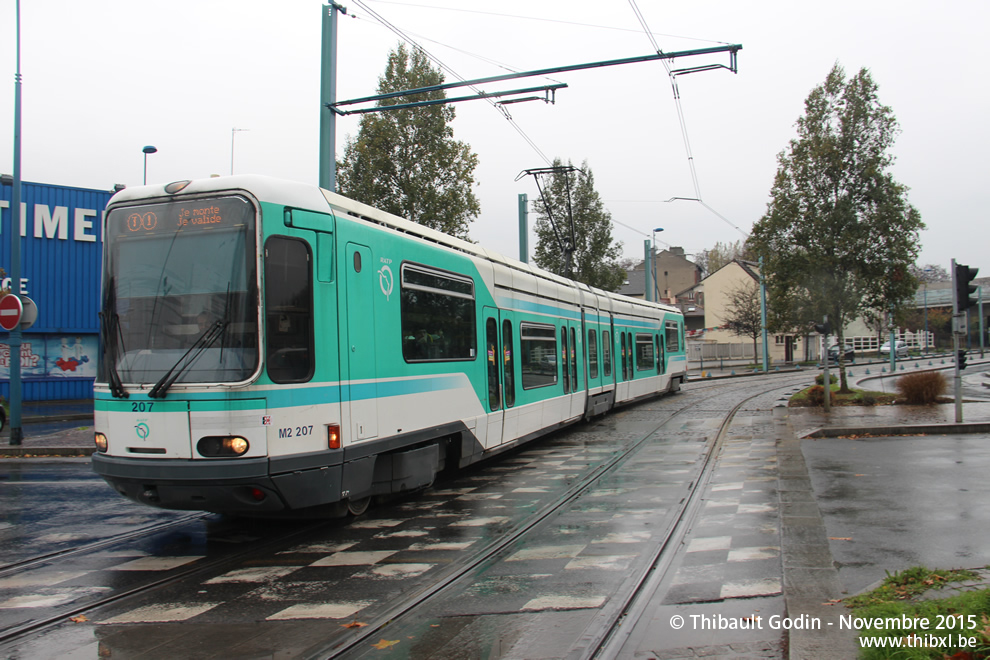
(103, 79)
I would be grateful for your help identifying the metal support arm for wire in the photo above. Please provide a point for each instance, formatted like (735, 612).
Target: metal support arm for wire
(550, 96)
(567, 243)
(731, 49)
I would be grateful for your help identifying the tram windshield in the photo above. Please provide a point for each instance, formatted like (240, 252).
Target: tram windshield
(180, 298)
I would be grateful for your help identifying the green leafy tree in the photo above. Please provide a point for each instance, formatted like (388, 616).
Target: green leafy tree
(838, 236)
(595, 257)
(407, 162)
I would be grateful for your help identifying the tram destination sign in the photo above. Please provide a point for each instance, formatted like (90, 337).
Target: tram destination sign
(190, 215)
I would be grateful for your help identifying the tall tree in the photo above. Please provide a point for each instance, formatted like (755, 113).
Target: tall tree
(838, 236)
(595, 257)
(407, 162)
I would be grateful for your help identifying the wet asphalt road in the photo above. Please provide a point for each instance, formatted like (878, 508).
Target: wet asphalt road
(926, 507)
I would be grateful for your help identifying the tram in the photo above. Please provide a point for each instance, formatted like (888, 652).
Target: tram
(270, 348)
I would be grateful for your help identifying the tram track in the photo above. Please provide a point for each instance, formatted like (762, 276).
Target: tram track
(387, 615)
(350, 642)
(613, 637)
(94, 546)
(203, 566)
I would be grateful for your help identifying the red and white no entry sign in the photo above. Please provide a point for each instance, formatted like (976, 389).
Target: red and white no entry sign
(10, 311)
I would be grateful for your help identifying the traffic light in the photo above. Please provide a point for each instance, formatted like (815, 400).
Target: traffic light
(823, 328)
(963, 278)
(961, 359)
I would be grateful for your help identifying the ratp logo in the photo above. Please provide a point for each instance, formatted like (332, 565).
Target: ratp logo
(142, 431)
(386, 280)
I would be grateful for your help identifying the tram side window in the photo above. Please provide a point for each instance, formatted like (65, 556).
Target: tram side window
(592, 354)
(625, 367)
(509, 386)
(491, 355)
(437, 311)
(630, 357)
(574, 361)
(537, 355)
(289, 309)
(607, 352)
(673, 336)
(645, 358)
(563, 355)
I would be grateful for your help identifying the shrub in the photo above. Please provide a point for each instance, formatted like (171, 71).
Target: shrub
(816, 395)
(820, 379)
(922, 388)
(867, 399)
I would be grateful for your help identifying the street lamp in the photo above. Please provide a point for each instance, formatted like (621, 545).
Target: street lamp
(653, 266)
(234, 131)
(147, 150)
(927, 275)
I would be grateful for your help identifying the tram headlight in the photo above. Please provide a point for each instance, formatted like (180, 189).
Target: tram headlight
(238, 445)
(216, 446)
(101, 443)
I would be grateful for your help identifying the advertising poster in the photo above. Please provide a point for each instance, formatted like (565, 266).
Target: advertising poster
(53, 356)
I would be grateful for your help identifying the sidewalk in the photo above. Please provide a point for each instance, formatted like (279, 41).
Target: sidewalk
(731, 367)
(51, 428)
(870, 491)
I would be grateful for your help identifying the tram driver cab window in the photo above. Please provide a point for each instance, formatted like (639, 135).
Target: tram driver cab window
(288, 309)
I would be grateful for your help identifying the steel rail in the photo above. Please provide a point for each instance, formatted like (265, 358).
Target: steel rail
(205, 565)
(31, 562)
(611, 638)
(349, 640)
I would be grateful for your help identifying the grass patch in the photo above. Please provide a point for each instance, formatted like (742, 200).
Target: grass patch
(855, 398)
(965, 616)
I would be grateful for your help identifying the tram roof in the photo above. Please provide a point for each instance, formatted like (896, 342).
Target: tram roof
(310, 197)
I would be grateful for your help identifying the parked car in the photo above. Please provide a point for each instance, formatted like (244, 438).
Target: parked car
(833, 353)
(900, 349)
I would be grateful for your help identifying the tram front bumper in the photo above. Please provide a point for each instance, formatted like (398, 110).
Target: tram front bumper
(241, 486)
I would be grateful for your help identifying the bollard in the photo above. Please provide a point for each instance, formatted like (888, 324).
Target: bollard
(867, 372)
(883, 370)
(732, 373)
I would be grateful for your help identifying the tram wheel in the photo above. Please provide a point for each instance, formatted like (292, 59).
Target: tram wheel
(358, 506)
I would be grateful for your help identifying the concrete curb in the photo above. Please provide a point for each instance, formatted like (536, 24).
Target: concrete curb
(22, 451)
(886, 431)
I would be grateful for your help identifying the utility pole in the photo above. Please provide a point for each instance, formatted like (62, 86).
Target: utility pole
(14, 342)
(763, 318)
(523, 228)
(328, 97)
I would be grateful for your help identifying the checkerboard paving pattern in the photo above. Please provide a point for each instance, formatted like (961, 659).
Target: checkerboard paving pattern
(576, 561)
(733, 549)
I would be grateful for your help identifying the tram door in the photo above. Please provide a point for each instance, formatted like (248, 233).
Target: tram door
(493, 375)
(359, 308)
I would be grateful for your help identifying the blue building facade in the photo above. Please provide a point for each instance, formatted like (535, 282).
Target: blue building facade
(61, 252)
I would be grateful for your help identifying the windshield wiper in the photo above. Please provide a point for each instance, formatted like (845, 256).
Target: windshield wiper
(110, 325)
(203, 342)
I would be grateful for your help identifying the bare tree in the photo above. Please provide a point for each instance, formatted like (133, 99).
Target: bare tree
(744, 317)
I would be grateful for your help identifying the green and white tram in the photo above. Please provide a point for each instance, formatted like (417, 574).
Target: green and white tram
(270, 347)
